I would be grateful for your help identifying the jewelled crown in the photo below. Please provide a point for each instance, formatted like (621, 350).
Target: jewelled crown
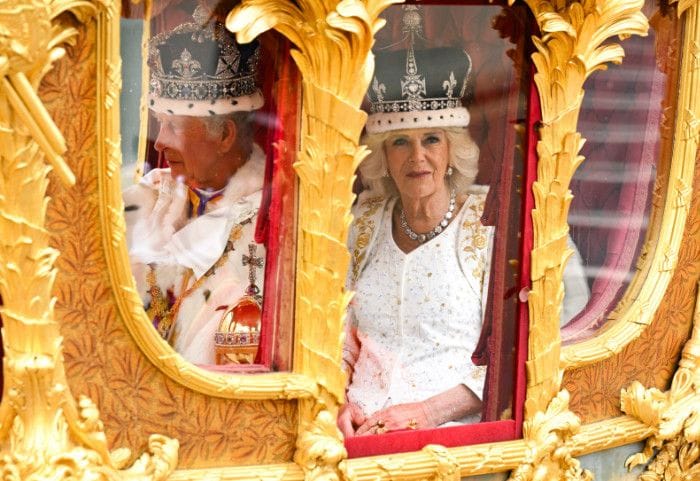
(418, 88)
(198, 69)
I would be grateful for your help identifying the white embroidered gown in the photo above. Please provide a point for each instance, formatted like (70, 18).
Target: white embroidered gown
(418, 315)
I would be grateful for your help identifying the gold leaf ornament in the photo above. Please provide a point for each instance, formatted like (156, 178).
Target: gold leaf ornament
(256, 17)
(45, 432)
(319, 449)
(332, 42)
(548, 436)
(447, 466)
(674, 417)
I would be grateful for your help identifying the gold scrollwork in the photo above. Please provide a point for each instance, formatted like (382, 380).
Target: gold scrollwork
(332, 50)
(548, 435)
(45, 432)
(673, 416)
(573, 45)
(318, 448)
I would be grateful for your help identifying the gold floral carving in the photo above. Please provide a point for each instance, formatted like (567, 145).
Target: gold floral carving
(318, 451)
(571, 48)
(548, 436)
(674, 417)
(45, 433)
(447, 466)
(333, 41)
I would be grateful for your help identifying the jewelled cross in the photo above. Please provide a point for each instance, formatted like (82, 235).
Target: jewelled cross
(252, 262)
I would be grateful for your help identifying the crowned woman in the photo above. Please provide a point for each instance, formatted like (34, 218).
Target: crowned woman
(420, 255)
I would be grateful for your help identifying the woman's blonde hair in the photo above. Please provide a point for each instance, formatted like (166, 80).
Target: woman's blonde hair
(464, 160)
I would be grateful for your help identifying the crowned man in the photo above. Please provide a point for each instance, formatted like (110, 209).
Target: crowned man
(190, 226)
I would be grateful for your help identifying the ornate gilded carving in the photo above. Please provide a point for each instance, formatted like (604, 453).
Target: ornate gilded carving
(318, 448)
(45, 433)
(548, 436)
(433, 463)
(447, 466)
(673, 416)
(333, 41)
(571, 48)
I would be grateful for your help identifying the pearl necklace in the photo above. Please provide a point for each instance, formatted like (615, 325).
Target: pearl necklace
(421, 238)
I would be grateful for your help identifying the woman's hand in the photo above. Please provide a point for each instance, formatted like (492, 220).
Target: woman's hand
(397, 418)
(455, 403)
(349, 417)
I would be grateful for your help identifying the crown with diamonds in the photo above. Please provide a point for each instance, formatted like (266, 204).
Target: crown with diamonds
(197, 68)
(418, 88)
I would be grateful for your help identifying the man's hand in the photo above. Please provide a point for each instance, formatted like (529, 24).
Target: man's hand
(397, 418)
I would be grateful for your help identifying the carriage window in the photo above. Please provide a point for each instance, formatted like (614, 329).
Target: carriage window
(208, 185)
(621, 120)
(433, 327)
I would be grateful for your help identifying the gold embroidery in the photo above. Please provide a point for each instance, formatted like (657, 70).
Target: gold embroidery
(475, 238)
(365, 228)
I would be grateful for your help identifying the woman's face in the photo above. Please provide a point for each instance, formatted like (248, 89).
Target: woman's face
(417, 160)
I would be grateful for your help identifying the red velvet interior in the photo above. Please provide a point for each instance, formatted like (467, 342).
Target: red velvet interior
(277, 213)
(407, 441)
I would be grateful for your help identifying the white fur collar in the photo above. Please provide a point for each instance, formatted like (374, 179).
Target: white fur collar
(247, 179)
(166, 236)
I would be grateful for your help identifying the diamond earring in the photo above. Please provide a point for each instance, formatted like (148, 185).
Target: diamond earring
(449, 171)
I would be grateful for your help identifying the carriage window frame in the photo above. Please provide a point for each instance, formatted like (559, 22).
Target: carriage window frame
(275, 372)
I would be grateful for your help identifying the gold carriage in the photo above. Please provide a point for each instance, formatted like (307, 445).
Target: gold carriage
(91, 390)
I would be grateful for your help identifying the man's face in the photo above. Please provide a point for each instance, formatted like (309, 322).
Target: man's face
(196, 157)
